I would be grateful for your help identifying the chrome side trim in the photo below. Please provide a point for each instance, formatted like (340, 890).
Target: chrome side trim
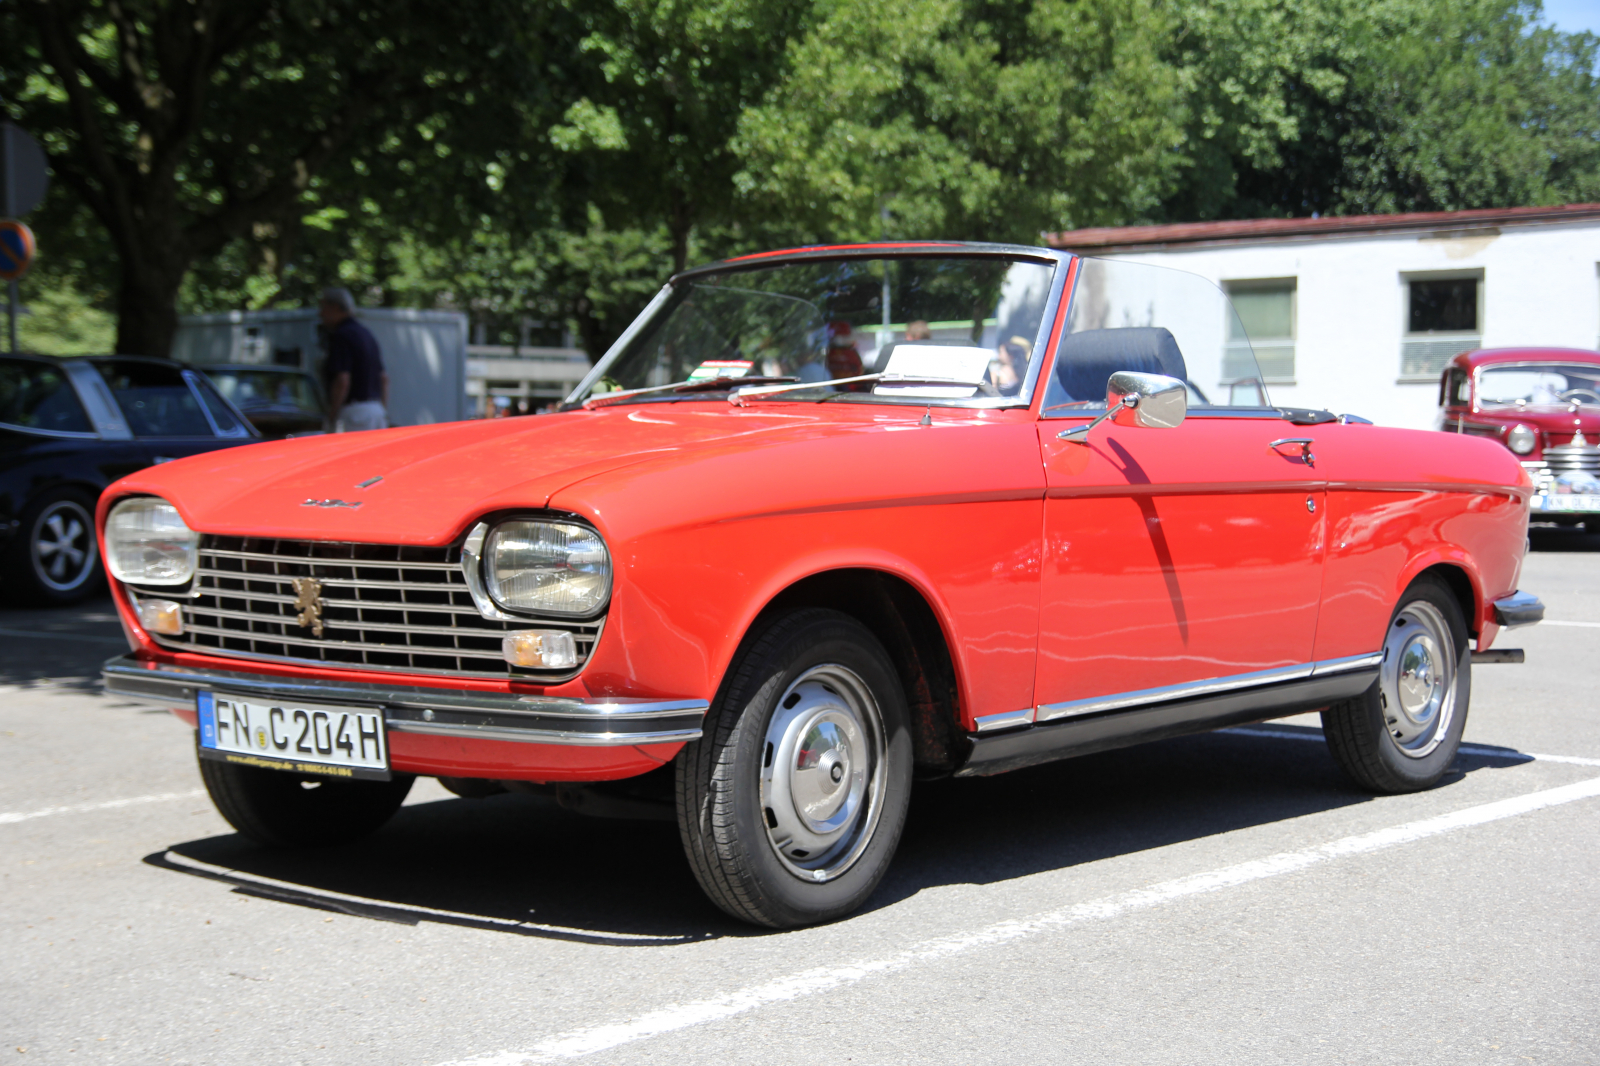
(435, 711)
(988, 723)
(1352, 662)
(1518, 609)
(1051, 712)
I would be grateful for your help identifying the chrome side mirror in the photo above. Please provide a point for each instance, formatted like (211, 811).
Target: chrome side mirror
(1152, 401)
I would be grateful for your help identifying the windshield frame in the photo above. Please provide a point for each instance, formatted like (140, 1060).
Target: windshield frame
(1479, 405)
(678, 287)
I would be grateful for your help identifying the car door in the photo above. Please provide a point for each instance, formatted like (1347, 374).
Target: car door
(1175, 557)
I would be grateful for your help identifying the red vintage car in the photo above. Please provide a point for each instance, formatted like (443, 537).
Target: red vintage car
(724, 578)
(1544, 405)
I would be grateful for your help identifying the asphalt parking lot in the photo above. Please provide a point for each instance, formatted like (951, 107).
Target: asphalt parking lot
(1224, 898)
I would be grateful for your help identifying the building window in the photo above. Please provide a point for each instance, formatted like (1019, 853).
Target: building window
(1442, 320)
(1266, 323)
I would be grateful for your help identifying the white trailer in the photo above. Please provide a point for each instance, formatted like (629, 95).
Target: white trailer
(424, 352)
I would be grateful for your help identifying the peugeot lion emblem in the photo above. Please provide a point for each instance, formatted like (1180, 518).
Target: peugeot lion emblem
(308, 601)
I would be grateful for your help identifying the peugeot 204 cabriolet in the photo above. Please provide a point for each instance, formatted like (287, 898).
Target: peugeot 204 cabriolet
(821, 523)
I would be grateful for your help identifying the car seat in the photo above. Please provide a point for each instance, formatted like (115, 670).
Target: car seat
(1084, 361)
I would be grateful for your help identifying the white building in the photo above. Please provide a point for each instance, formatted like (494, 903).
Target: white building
(1360, 314)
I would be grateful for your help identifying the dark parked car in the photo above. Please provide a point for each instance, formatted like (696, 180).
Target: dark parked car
(279, 401)
(69, 428)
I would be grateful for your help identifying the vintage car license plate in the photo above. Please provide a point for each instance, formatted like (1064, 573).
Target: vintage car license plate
(345, 742)
(1569, 503)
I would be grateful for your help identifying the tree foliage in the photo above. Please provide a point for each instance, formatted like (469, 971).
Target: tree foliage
(556, 160)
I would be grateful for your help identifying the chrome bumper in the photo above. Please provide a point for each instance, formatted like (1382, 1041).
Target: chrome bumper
(434, 711)
(1518, 609)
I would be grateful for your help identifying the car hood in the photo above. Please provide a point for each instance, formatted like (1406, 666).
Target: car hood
(434, 480)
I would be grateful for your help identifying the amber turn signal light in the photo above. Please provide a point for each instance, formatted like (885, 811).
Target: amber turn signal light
(161, 616)
(549, 649)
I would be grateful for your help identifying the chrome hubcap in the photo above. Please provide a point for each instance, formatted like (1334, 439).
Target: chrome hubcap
(1418, 679)
(822, 772)
(63, 546)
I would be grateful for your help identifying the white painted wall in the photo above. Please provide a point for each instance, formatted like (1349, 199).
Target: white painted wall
(1541, 286)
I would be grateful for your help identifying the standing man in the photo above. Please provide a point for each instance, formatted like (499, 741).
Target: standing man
(358, 388)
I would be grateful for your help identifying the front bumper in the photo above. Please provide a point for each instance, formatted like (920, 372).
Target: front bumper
(606, 722)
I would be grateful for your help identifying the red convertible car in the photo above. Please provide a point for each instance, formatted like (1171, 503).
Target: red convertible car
(1005, 527)
(1544, 405)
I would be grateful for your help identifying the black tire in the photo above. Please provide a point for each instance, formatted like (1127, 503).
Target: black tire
(54, 558)
(283, 810)
(1372, 737)
(726, 779)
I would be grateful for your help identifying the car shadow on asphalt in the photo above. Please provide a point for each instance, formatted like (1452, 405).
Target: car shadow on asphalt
(520, 865)
(62, 647)
(1556, 539)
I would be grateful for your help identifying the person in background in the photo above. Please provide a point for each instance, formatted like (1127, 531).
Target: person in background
(1010, 366)
(358, 388)
(918, 331)
(844, 358)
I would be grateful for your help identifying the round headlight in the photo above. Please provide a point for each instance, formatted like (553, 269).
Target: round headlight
(1521, 439)
(558, 568)
(147, 543)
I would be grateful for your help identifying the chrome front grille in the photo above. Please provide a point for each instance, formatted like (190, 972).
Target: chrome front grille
(1573, 457)
(1562, 459)
(384, 607)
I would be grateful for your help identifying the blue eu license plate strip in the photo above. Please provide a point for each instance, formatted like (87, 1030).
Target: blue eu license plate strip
(335, 742)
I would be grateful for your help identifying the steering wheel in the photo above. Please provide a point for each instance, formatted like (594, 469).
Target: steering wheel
(1582, 395)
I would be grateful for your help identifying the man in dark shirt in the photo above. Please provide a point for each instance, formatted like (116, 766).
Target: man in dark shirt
(358, 388)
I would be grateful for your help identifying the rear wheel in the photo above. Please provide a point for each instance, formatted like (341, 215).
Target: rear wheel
(55, 558)
(1401, 735)
(791, 804)
(285, 810)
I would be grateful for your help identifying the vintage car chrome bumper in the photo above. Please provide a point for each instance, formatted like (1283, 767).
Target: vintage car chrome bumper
(1518, 609)
(433, 711)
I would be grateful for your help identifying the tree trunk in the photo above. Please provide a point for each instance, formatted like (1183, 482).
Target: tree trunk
(154, 257)
(147, 313)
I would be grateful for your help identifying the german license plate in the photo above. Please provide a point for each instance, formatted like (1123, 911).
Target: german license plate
(347, 742)
(1569, 503)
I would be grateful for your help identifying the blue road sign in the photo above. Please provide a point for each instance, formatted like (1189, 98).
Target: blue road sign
(16, 249)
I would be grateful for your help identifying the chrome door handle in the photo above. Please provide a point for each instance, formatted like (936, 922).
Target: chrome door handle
(1305, 447)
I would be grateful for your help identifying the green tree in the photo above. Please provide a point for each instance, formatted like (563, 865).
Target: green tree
(184, 125)
(967, 119)
(1367, 106)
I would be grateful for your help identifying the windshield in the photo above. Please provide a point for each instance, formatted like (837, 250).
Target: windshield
(972, 319)
(1539, 385)
(1156, 320)
(250, 389)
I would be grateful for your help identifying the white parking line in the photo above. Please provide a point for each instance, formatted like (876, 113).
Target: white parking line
(7, 817)
(1580, 625)
(589, 1040)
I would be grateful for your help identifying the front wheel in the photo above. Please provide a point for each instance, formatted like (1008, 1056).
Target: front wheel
(1401, 735)
(287, 810)
(791, 804)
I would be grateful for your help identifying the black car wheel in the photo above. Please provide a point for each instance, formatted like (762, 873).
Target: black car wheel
(1401, 735)
(54, 557)
(791, 804)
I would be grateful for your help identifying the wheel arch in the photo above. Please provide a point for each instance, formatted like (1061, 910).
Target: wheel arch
(905, 622)
(1463, 586)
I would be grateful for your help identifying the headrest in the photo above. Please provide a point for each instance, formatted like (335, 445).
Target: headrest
(1084, 361)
